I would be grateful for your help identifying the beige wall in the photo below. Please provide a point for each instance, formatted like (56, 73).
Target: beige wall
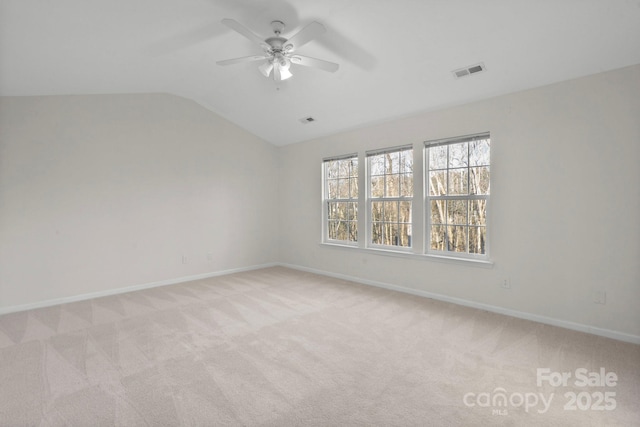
(104, 192)
(565, 203)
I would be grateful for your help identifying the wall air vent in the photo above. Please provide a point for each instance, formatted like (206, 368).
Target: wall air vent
(467, 71)
(306, 120)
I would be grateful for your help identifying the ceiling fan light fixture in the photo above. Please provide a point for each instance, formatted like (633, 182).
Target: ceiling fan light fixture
(266, 68)
(282, 66)
(285, 73)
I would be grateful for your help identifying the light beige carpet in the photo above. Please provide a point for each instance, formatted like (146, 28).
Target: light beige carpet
(279, 347)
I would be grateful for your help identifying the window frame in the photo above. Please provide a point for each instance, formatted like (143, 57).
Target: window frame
(428, 198)
(420, 223)
(326, 201)
(369, 226)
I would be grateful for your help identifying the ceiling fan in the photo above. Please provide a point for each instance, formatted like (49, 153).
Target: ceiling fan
(279, 52)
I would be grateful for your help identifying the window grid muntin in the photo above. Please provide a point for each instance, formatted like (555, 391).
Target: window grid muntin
(468, 227)
(468, 224)
(403, 227)
(333, 200)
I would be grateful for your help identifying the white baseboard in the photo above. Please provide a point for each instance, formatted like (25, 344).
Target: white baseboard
(620, 336)
(109, 292)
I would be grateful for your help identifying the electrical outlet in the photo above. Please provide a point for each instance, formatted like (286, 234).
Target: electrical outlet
(599, 297)
(185, 260)
(505, 284)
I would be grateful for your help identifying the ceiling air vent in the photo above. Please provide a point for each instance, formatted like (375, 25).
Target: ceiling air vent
(306, 120)
(467, 71)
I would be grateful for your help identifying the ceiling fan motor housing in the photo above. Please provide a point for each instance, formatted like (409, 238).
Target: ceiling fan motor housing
(276, 43)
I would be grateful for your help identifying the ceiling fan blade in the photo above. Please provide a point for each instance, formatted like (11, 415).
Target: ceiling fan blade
(305, 35)
(240, 60)
(238, 27)
(307, 61)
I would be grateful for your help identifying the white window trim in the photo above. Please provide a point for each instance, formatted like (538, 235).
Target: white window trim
(411, 255)
(369, 200)
(325, 200)
(427, 198)
(420, 249)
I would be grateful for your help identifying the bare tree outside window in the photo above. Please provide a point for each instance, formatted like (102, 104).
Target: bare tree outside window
(458, 193)
(457, 187)
(391, 197)
(341, 199)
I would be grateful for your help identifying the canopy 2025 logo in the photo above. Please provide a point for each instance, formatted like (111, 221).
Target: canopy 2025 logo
(500, 400)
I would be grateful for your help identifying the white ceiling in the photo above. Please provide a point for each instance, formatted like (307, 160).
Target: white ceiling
(395, 57)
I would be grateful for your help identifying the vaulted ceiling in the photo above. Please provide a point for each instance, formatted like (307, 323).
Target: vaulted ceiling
(396, 57)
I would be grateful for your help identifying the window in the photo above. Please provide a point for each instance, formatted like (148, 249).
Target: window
(453, 179)
(457, 195)
(390, 196)
(341, 199)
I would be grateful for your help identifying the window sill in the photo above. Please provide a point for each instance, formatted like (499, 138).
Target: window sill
(411, 255)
